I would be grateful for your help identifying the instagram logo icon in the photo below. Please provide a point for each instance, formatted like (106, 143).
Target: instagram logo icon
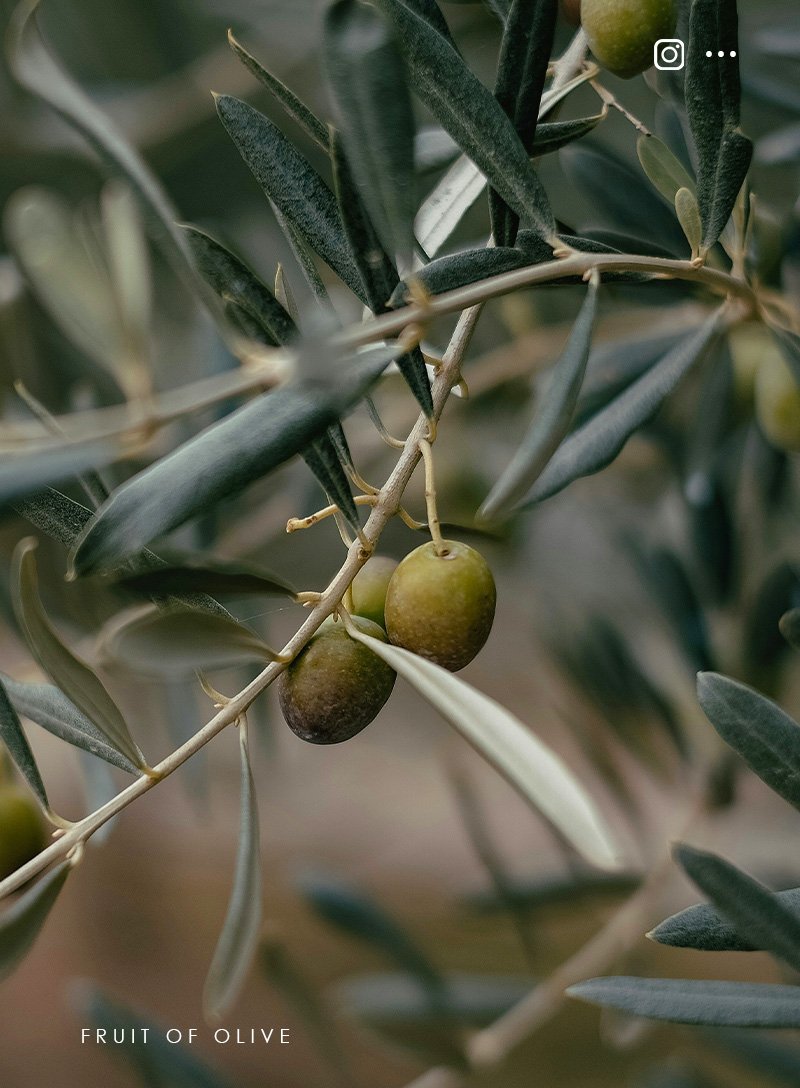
(668, 54)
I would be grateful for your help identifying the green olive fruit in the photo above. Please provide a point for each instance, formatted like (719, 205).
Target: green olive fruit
(336, 685)
(622, 33)
(441, 606)
(369, 588)
(778, 401)
(748, 343)
(22, 834)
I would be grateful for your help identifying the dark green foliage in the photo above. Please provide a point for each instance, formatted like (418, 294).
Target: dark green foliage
(207, 575)
(552, 418)
(14, 739)
(46, 705)
(703, 927)
(21, 923)
(759, 916)
(764, 736)
(295, 188)
(296, 109)
(356, 914)
(521, 70)
(712, 101)
(218, 463)
(324, 461)
(378, 273)
(234, 282)
(459, 269)
(368, 79)
(598, 441)
(691, 1001)
(466, 109)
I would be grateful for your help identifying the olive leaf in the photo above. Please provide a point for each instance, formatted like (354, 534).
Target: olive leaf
(303, 255)
(459, 269)
(221, 461)
(377, 272)
(63, 519)
(218, 577)
(689, 218)
(521, 72)
(553, 135)
(234, 281)
(707, 929)
(21, 924)
(368, 79)
(72, 675)
(766, 738)
(49, 708)
(693, 1001)
(13, 737)
(296, 109)
(38, 71)
(324, 461)
(469, 112)
(600, 439)
(664, 169)
(359, 916)
(623, 199)
(291, 183)
(178, 642)
(24, 473)
(713, 95)
(528, 764)
(551, 419)
(759, 916)
(239, 936)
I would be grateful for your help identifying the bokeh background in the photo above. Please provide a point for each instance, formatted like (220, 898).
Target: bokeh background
(141, 917)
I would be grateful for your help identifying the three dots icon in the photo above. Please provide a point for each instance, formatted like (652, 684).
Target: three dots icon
(721, 53)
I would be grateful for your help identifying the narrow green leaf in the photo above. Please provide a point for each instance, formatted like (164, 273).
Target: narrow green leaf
(63, 519)
(158, 1064)
(218, 577)
(466, 109)
(552, 136)
(766, 738)
(552, 417)
(376, 270)
(72, 675)
(521, 72)
(664, 169)
(24, 473)
(13, 737)
(233, 280)
(296, 109)
(713, 94)
(37, 70)
(600, 439)
(239, 936)
(49, 708)
(21, 923)
(459, 269)
(178, 642)
(694, 1001)
(303, 255)
(689, 218)
(221, 461)
(446, 206)
(758, 914)
(368, 78)
(296, 189)
(535, 770)
(359, 916)
(323, 460)
(703, 927)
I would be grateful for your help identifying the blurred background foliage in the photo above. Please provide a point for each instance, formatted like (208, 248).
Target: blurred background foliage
(682, 556)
